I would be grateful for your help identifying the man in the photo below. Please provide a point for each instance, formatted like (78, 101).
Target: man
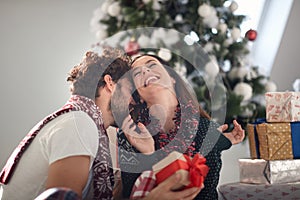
(69, 148)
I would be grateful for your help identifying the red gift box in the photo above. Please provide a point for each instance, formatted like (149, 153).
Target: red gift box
(193, 171)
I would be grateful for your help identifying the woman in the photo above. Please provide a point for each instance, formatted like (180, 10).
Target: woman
(163, 103)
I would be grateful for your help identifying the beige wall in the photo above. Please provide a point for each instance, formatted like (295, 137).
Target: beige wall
(286, 66)
(40, 41)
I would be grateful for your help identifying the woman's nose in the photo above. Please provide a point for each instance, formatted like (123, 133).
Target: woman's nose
(145, 69)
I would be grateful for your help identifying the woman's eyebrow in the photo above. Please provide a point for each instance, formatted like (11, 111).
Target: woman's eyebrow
(151, 60)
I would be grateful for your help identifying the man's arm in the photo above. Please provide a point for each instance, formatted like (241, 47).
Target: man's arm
(71, 172)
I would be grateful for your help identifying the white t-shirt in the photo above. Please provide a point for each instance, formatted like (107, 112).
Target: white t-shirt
(70, 134)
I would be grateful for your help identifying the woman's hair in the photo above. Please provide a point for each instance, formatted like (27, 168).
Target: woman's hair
(184, 92)
(88, 76)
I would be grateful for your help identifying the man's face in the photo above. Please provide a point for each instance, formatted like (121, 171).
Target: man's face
(120, 99)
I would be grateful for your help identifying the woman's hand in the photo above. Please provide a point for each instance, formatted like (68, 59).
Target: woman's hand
(163, 190)
(236, 135)
(142, 141)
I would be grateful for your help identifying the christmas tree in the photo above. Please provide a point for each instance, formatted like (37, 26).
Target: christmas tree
(210, 23)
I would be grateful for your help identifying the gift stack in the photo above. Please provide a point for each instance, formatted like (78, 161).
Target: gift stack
(274, 142)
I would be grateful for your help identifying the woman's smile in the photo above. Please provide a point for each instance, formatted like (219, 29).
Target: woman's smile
(151, 79)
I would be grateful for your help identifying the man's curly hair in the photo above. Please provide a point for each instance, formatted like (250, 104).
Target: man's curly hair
(88, 75)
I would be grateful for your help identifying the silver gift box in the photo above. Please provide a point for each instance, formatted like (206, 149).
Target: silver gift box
(259, 171)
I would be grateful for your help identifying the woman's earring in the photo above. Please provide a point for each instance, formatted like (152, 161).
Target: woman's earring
(174, 81)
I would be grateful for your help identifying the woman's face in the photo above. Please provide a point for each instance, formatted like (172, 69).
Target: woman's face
(150, 77)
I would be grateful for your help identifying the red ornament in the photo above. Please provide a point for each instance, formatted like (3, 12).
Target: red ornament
(251, 35)
(132, 47)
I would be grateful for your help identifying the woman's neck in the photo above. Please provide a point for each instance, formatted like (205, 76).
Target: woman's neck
(163, 108)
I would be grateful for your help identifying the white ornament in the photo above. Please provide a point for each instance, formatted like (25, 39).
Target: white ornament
(219, 96)
(191, 38)
(259, 99)
(243, 89)
(97, 16)
(226, 64)
(212, 69)
(171, 37)
(296, 85)
(114, 9)
(188, 40)
(270, 86)
(204, 10)
(181, 70)
(233, 6)
(211, 21)
(225, 51)
(165, 54)
(146, 1)
(233, 73)
(159, 33)
(228, 42)
(156, 5)
(179, 18)
(241, 72)
(247, 113)
(101, 34)
(222, 27)
(143, 41)
(245, 60)
(105, 6)
(209, 47)
(194, 36)
(151, 53)
(217, 46)
(251, 74)
(235, 33)
(94, 25)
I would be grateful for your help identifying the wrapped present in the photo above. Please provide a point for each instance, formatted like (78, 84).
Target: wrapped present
(245, 191)
(193, 171)
(259, 171)
(279, 141)
(282, 106)
(253, 138)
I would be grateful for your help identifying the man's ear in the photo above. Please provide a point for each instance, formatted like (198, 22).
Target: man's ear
(109, 83)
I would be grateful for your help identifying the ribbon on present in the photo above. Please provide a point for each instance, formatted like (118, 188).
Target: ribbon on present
(196, 167)
(295, 130)
(253, 137)
(198, 170)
